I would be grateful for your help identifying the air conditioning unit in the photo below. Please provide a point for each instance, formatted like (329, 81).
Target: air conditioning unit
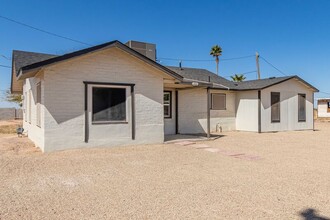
(146, 49)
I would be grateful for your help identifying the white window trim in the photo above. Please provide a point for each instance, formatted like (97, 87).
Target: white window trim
(169, 104)
(305, 116)
(279, 104)
(110, 121)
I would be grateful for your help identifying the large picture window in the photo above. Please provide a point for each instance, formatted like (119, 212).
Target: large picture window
(275, 107)
(109, 104)
(301, 107)
(167, 104)
(218, 101)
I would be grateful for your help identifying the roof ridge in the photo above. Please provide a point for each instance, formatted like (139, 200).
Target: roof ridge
(24, 51)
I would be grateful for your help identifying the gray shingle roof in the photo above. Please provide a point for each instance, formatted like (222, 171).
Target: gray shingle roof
(24, 58)
(260, 84)
(29, 59)
(264, 83)
(201, 75)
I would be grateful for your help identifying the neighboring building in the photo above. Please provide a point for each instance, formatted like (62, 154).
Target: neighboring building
(323, 108)
(112, 95)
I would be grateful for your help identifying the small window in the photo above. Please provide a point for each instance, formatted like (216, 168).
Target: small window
(218, 101)
(39, 104)
(275, 107)
(167, 104)
(301, 107)
(328, 106)
(109, 104)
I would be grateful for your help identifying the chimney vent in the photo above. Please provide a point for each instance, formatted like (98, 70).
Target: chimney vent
(146, 49)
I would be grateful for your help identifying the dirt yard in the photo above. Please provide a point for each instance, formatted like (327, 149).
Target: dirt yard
(241, 175)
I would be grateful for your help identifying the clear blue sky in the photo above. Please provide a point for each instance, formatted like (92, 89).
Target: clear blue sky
(293, 35)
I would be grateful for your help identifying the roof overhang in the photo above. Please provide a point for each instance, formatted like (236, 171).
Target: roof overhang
(279, 82)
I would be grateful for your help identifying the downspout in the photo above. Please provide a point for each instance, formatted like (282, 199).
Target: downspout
(259, 111)
(86, 114)
(176, 112)
(313, 113)
(208, 112)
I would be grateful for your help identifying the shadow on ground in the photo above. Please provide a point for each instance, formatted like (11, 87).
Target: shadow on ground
(311, 214)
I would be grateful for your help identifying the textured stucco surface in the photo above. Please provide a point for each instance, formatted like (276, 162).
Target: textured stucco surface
(322, 109)
(289, 91)
(193, 112)
(64, 101)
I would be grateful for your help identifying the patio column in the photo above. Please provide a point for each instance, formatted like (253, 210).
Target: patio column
(208, 113)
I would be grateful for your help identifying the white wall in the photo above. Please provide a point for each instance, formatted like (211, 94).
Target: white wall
(247, 111)
(322, 109)
(34, 132)
(193, 111)
(169, 123)
(64, 101)
(289, 91)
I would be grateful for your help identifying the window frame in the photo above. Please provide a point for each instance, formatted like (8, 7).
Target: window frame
(126, 105)
(169, 104)
(225, 98)
(279, 107)
(303, 95)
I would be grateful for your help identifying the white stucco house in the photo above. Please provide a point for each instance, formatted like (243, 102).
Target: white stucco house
(323, 108)
(116, 94)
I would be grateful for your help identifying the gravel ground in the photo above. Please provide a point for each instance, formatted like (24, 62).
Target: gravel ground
(241, 175)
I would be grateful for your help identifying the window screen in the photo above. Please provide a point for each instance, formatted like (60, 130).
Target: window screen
(109, 104)
(275, 107)
(301, 107)
(218, 101)
(167, 104)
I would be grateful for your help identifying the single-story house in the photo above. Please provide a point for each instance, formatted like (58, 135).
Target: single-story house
(323, 108)
(116, 94)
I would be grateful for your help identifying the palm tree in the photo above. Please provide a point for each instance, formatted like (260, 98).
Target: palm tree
(216, 51)
(238, 77)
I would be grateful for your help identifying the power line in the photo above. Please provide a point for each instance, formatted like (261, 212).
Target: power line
(327, 93)
(7, 58)
(273, 66)
(5, 66)
(44, 31)
(193, 60)
(245, 73)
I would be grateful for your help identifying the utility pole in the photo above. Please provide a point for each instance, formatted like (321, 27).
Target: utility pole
(257, 62)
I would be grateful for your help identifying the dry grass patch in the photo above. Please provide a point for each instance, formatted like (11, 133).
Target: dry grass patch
(8, 129)
(10, 126)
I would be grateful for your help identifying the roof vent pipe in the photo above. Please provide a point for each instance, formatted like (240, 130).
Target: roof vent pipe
(180, 64)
